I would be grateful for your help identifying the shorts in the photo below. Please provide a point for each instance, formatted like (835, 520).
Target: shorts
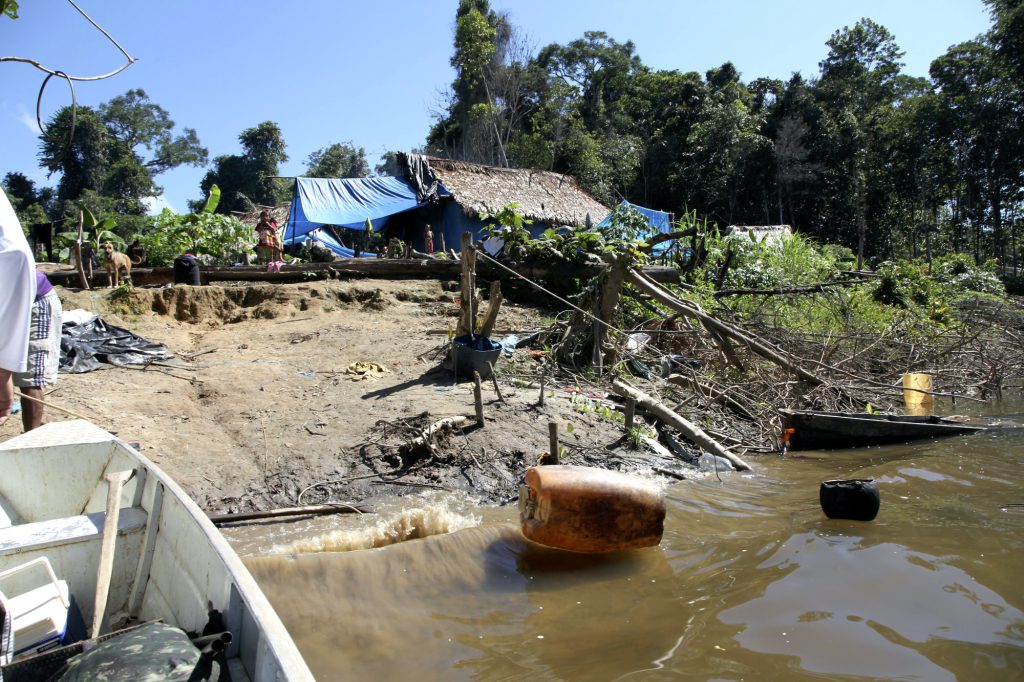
(43, 344)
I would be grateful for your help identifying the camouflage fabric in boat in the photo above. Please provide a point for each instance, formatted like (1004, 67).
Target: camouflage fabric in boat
(151, 653)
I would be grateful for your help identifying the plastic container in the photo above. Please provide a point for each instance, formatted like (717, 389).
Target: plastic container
(474, 354)
(857, 499)
(186, 270)
(588, 510)
(915, 399)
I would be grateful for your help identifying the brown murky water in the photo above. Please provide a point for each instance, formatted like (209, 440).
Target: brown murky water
(751, 582)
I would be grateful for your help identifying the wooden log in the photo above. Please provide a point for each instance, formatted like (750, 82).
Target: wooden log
(467, 294)
(685, 427)
(368, 267)
(478, 398)
(308, 510)
(493, 306)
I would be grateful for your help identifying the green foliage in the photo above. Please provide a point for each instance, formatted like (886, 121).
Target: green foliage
(957, 270)
(339, 160)
(9, 8)
(221, 238)
(249, 179)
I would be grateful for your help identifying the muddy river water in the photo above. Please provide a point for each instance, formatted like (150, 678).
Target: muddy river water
(751, 582)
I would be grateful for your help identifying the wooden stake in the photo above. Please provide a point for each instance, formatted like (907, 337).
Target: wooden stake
(543, 377)
(478, 398)
(630, 412)
(553, 440)
(494, 380)
(466, 321)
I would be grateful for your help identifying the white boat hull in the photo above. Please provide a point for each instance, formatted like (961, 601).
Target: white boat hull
(171, 563)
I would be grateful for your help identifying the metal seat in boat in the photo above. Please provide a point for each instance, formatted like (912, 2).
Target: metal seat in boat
(38, 616)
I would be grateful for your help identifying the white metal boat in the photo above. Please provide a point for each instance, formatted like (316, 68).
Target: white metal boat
(169, 561)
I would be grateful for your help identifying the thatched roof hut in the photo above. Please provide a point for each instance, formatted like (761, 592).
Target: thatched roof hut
(543, 196)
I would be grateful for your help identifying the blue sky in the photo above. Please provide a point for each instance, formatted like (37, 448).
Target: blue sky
(373, 73)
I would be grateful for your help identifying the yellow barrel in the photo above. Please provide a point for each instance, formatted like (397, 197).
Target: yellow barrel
(914, 400)
(582, 509)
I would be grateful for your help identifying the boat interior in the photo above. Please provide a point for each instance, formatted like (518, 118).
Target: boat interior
(67, 576)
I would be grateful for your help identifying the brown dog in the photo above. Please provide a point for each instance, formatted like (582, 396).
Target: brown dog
(114, 261)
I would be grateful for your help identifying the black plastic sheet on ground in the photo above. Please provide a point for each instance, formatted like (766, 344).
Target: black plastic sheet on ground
(96, 345)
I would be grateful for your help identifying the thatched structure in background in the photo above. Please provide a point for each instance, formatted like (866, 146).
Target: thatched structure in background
(278, 213)
(543, 196)
(770, 234)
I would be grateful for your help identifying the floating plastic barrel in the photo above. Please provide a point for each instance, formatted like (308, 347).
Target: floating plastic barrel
(857, 499)
(186, 270)
(582, 509)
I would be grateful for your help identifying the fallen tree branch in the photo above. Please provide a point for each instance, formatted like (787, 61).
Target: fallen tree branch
(425, 441)
(685, 427)
(310, 510)
(793, 290)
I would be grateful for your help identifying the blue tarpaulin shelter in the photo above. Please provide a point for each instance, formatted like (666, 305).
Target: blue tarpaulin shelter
(325, 238)
(660, 222)
(348, 202)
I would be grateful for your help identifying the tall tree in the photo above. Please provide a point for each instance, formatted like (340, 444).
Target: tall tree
(339, 160)
(858, 81)
(117, 151)
(250, 179)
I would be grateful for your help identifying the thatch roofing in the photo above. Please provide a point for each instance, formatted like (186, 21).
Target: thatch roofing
(278, 213)
(542, 196)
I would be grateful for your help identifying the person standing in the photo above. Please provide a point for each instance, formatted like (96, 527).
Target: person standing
(266, 239)
(428, 239)
(43, 352)
(17, 293)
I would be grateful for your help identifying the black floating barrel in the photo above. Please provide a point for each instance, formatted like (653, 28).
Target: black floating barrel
(186, 270)
(857, 499)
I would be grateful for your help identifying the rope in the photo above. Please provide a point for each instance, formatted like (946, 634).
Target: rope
(529, 281)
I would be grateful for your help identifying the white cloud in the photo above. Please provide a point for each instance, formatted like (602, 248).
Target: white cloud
(28, 120)
(155, 205)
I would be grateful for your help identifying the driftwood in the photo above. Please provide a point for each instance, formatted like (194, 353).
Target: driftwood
(309, 510)
(685, 427)
(707, 391)
(792, 290)
(425, 441)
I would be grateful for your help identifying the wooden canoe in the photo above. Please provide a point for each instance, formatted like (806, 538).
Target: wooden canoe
(169, 561)
(833, 430)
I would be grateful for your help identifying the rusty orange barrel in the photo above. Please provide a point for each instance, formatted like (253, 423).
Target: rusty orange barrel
(582, 509)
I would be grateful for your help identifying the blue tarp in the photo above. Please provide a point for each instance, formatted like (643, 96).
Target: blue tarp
(348, 202)
(325, 238)
(660, 221)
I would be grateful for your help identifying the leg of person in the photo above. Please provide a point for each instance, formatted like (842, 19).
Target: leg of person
(31, 411)
(6, 395)
(43, 358)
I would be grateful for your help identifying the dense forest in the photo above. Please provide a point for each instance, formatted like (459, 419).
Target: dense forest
(858, 154)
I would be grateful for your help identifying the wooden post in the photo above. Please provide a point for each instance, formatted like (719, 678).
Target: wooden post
(553, 438)
(630, 412)
(444, 249)
(478, 398)
(466, 321)
(77, 248)
(494, 380)
(493, 306)
(543, 377)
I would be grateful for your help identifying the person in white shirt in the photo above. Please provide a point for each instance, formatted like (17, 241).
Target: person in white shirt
(17, 292)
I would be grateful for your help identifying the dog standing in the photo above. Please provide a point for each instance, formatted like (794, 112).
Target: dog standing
(113, 262)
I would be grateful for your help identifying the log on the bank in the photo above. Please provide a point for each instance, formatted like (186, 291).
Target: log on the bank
(684, 426)
(309, 510)
(383, 268)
